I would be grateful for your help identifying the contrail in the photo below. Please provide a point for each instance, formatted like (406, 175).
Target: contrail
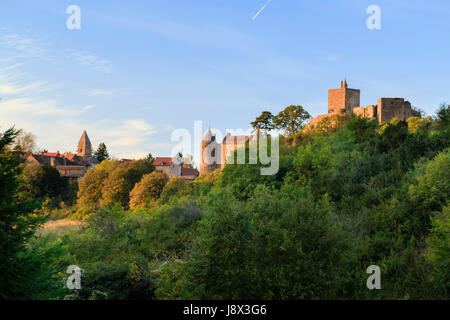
(260, 10)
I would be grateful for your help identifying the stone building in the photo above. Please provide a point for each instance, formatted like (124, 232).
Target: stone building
(345, 100)
(68, 164)
(214, 155)
(71, 167)
(169, 167)
(85, 149)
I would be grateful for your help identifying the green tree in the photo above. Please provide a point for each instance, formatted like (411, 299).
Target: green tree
(21, 264)
(150, 158)
(148, 190)
(46, 182)
(291, 119)
(101, 153)
(278, 245)
(439, 253)
(443, 115)
(264, 121)
(90, 188)
(175, 187)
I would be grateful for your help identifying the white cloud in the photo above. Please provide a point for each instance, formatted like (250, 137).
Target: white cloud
(88, 107)
(139, 125)
(35, 106)
(9, 89)
(31, 46)
(100, 92)
(90, 60)
(126, 142)
(26, 46)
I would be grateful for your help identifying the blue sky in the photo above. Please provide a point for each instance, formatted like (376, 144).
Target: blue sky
(137, 70)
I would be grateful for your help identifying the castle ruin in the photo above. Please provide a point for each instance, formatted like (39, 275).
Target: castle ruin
(345, 100)
(214, 155)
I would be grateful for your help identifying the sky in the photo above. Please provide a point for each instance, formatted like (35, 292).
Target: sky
(137, 70)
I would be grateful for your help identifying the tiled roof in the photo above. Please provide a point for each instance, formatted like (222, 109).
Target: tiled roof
(163, 161)
(50, 154)
(189, 172)
(45, 160)
(75, 158)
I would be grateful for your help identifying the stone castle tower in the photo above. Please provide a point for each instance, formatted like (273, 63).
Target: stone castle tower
(84, 146)
(215, 155)
(347, 101)
(343, 99)
(210, 154)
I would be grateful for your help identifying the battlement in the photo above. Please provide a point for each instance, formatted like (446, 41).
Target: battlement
(345, 100)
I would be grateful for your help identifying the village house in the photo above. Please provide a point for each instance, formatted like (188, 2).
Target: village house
(167, 165)
(68, 164)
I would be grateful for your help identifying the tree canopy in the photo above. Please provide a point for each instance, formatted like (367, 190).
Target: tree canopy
(101, 153)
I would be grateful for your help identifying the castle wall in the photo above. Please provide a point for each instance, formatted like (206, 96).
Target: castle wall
(371, 111)
(389, 108)
(343, 98)
(210, 157)
(360, 111)
(336, 99)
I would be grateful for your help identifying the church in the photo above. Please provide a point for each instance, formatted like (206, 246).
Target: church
(68, 164)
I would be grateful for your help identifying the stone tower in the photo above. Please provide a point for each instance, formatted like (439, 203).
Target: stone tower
(210, 152)
(343, 99)
(84, 146)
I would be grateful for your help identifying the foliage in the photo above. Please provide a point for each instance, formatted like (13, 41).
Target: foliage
(246, 250)
(26, 263)
(264, 121)
(349, 193)
(42, 182)
(110, 182)
(25, 142)
(147, 191)
(291, 119)
(101, 153)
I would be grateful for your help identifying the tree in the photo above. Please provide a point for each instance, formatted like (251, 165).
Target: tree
(91, 186)
(25, 142)
(102, 152)
(150, 158)
(148, 190)
(119, 183)
(277, 245)
(17, 224)
(174, 187)
(45, 181)
(291, 119)
(264, 121)
(443, 115)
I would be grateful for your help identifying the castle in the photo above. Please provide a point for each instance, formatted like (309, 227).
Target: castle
(214, 155)
(345, 100)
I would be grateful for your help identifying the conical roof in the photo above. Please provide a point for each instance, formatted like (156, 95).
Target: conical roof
(84, 145)
(208, 136)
